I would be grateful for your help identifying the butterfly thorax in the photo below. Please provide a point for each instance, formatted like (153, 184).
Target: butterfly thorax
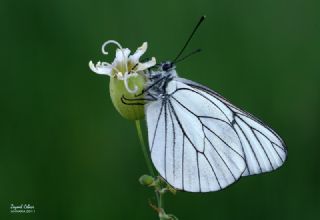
(158, 78)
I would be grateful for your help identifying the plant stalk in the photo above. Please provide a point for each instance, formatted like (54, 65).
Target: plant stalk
(159, 194)
(144, 149)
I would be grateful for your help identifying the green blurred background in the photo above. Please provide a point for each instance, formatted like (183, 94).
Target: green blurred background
(64, 148)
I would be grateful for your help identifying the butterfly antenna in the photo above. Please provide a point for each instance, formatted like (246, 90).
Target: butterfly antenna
(188, 55)
(190, 37)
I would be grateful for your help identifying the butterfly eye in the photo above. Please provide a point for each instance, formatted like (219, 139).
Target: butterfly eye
(167, 66)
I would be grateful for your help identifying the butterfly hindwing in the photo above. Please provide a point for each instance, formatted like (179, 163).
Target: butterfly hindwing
(192, 142)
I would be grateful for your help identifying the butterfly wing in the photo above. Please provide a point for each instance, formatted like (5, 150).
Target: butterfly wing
(192, 142)
(264, 150)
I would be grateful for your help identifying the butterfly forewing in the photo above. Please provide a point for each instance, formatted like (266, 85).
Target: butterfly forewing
(264, 150)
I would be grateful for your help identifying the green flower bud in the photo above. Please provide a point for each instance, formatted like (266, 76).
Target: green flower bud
(146, 180)
(133, 110)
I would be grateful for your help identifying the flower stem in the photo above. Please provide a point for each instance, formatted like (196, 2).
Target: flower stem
(159, 195)
(161, 200)
(159, 190)
(143, 147)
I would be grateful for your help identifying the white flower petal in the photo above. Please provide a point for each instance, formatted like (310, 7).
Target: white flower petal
(121, 55)
(119, 67)
(139, 52)
(107, 43)
(99, 68)
(119, 76)
(146, 65)
(125, 80)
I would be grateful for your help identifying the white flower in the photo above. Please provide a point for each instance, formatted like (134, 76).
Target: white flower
(124, 65)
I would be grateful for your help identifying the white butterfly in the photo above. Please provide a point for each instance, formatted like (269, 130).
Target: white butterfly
(199, 141)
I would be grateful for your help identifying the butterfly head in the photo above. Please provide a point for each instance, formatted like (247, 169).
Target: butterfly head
(167, 66)
(165, 69)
